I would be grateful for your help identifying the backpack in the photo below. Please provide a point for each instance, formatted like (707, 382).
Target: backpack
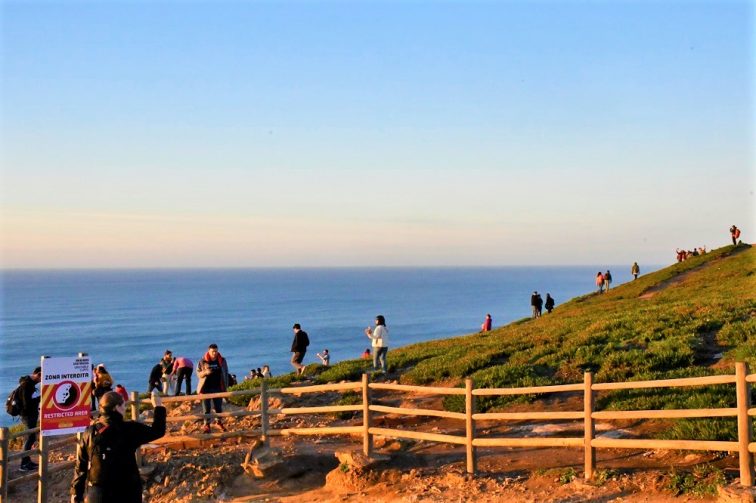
(106, 455)
(13, 404)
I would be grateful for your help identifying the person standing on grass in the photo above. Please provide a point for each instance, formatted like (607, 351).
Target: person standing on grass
(182, 369)
(600, 282)
(635, 270)
(539, 305)
(607, 279)
(379, 338)
(299, 348)
(534, 305)
(325, 357)
(29, 413)
(549, 303)
(734, 234)
(486, 326)
(212, 371)
(106, 470)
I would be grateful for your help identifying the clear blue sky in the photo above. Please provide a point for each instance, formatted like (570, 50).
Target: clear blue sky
(373, 133)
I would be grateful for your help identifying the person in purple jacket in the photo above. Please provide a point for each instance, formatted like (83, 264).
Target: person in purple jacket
(183, 368)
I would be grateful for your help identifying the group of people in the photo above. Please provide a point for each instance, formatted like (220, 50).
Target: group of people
(537, 304)
(603, 281)
(683, 255)
(259, 373)
(170, 373)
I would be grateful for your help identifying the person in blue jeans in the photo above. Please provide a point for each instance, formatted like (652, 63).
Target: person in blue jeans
(212, 371)
(379, 338)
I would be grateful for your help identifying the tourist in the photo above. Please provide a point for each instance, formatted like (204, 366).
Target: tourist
(534, 305)
(635, 270)
(115, 477)
(299, 348)
(539, 305)
(29, 397)
(486, 326)
(734, 234)
(182, 369)
(155, 381)
(266, 371)
(167, 363)
(549, 303)
(600, 282)
(379, 338)
(103, 382)
(607, 279)
(325, 357)
(121, 390)
(212, 371)
(366, 354)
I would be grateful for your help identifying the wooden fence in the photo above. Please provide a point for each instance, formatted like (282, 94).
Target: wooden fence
(743, 413)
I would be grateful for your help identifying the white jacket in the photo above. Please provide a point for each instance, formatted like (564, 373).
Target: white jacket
(380, 337)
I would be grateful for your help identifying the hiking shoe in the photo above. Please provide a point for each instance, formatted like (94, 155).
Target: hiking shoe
(206, 428)
(221, 427)
(29, 467)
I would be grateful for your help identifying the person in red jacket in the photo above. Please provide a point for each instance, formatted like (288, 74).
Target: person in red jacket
(486, 326)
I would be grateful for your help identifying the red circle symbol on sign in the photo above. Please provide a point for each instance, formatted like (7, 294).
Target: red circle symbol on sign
(66, 395)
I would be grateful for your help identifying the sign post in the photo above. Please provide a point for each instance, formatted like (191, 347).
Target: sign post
(66, 402)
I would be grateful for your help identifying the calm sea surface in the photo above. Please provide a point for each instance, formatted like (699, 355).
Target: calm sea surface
(128, 318)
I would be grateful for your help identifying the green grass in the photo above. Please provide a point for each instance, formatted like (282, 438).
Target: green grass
(618, 335)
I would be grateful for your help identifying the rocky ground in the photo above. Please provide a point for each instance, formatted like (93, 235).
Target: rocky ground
(191, 467)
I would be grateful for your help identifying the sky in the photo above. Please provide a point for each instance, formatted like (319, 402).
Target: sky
(384, 133)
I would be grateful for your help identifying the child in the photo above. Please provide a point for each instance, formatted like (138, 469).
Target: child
(324, 357)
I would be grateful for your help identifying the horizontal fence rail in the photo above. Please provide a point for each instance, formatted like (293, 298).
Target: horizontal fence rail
(743, 413)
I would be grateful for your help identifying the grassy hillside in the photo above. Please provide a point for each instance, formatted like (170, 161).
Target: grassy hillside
(693, 318)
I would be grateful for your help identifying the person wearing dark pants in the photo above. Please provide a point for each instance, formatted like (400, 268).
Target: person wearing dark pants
(30, 413)
(299, 348)
(183, 368)
(212, 371)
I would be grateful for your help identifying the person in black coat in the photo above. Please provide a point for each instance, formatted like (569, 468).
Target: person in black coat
(549, 303)
(30, 413)
(156, 378)
(299, 348)
(105, 457)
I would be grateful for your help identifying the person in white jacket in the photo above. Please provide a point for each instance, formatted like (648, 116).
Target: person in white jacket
(379, 338)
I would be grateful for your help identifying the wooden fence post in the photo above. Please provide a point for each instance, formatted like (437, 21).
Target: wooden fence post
(590, 429)
(4, 441)
(136, 418)
(470, 426)
(367, 438)
(264, 421)
(745, 435)
(42, 482)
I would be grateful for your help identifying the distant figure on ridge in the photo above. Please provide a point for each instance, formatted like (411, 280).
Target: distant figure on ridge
(534, 305)
(212, 371)
(379, 338)
(325, 357)
(299, 348)
(182, 369)
(734, 234)
(106, 469)
(486, 326)
(549, 303)
(607, 279)
(635, 270)
(539, 305)
(600, 282)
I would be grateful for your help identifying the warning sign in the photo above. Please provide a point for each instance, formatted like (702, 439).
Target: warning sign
(66, 401)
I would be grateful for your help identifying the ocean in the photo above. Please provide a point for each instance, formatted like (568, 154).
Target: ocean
(126, 319)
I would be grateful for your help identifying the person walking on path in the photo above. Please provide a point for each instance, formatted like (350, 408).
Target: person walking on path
(534, 305)
(379, 339)
(299, 348)
(635, 270)
(600, 282)
(182, 369)
(106, 467)
(29, 396)
(486, 326)
(549, 303)
(212, 371)
(607, 279)
(734, 234)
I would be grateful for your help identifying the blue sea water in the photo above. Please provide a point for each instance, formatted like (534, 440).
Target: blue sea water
(128, 318)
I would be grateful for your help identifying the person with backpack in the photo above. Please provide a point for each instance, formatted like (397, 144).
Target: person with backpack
(212, 371)
(607, 279)
(635, 270)
(106, 467)
(734, 234)
(299, 348)
(24, 402)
